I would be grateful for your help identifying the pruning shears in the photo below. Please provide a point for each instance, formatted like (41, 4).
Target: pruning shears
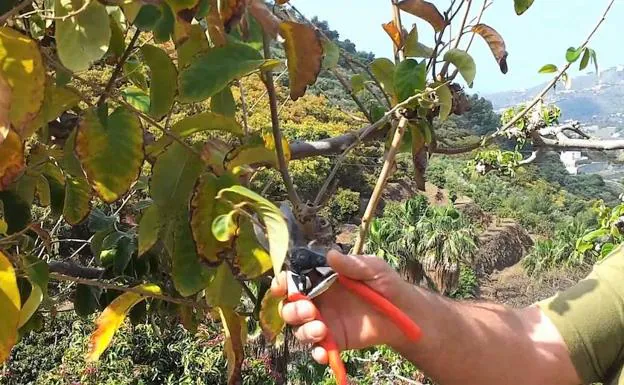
(309, 276)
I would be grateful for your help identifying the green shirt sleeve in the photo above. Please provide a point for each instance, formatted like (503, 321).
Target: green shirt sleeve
(590, 318)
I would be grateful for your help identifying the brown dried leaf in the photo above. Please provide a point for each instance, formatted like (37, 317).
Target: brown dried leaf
(232, 12)
(496, 43)
(12, 160)
(264, 16)
(235, 328)
(216, 30)
(304, 52)
(426, 11)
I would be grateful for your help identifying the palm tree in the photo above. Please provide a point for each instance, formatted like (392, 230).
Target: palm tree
(446, 240)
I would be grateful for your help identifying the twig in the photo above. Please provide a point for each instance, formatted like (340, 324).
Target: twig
(355, 98)
(485, 5)
(557, 77)
(14, 11)
(126, 289)
(460, 34)
(118, 68)
(277, 133)
(61, 18)
(379, 186)
(244, 107)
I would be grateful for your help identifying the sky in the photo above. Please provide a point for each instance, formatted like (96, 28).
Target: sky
(540, 36)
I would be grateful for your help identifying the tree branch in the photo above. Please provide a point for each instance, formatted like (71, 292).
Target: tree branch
(352, 60)
(379, 186)
(126, 289)
(536, 155)
(118, 68)
(558, 76)
(275, 126)
(14, 11)
(460, 34)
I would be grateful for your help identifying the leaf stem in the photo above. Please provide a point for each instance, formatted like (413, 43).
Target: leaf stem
(118, 68)
(355, 98)
(267, 77)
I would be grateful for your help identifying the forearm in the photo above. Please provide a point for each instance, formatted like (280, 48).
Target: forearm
(482, 343)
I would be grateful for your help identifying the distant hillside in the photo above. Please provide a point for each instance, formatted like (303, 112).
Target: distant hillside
(593, 100)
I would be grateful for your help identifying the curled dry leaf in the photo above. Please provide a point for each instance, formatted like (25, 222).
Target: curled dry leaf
(305, 56)
(235, 328)
(426, 11)
(394, 33)
(496, 43)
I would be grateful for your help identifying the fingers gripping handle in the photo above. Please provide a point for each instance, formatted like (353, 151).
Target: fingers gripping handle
(379, 302)
(329, 344)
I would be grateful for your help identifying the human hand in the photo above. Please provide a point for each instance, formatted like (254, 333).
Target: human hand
(353, 322)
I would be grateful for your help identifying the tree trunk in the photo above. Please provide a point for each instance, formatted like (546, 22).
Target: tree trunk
(443, 275)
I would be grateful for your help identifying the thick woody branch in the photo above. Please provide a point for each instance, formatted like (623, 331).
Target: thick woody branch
(536, 155)
(74, 270)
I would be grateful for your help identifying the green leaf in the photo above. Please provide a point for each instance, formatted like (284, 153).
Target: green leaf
(409, 77)
(251, 260)
(98, 221)
(573, 54)
(594, 59)
(84, 38)
(25, 188)
(209, 73)
(148, 17)
(137, 98)
(163, 75)
(164, 26)
(204, 208)
(123, 254)
(86, 299)
(383, 69)
(548, 69)
(16, 211)
(224, 227)
(193, 46)
(149, 228)
(77, 202)
(413, 48)
(445, 98)
(223, 103)
(189, 274)
(58, 99)
(585, 59)
(43, 191)
(224, 290)
(111, 154)
(357, 83)
(133, 69)
(38, 276)
(173, 178)
(331, 54)
(271, 216)
(271, 322)
(463, 62)
(522, 5)
(23, 73)
(207, 121)
(117, 44)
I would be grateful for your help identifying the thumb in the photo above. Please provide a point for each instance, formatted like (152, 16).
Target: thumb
(358, 267)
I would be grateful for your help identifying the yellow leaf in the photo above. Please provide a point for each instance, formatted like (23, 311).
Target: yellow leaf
(9, 307)
(271, 322)
(112, 317)
(31, 305)
(304, 52)
(4, 227)
(58, 99)
(235, 328)
(22, 68)
(257, 152)
(251, 260)
(12, 160)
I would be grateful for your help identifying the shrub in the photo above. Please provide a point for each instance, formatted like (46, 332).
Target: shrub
(344, 207)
